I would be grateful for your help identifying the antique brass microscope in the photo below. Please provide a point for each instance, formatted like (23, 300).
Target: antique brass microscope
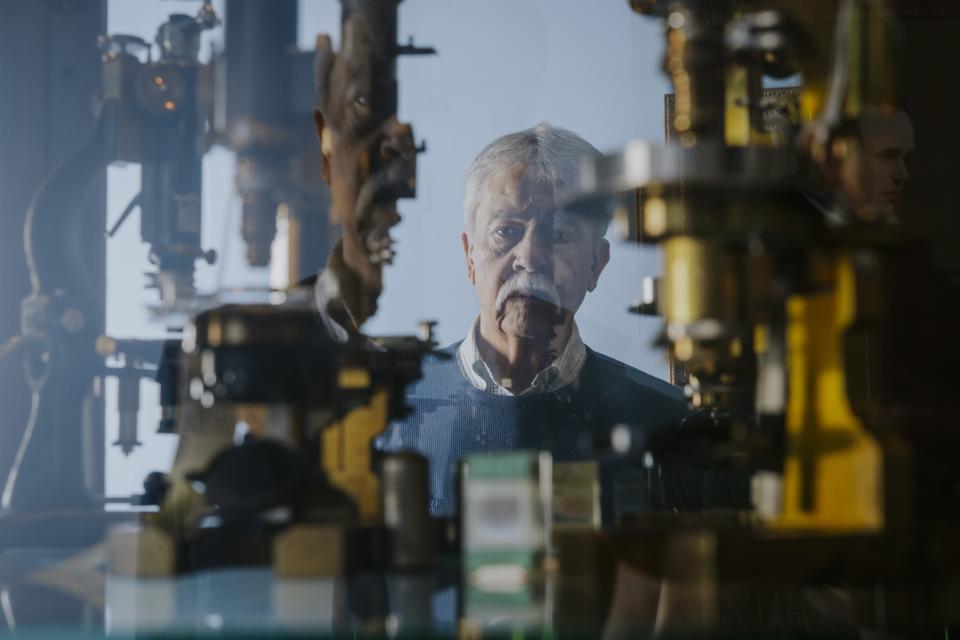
(276, 396)
(308, 390)
(775, 300)
(760, 289)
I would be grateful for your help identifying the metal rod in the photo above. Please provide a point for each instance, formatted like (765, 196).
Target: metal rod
(133, 204)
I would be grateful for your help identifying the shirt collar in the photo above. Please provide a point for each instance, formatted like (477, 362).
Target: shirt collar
(561, 372)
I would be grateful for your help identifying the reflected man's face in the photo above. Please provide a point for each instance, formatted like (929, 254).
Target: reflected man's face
(531, 264)
(886, 141)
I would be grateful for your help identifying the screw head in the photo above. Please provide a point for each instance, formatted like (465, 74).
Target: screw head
(72, 320)
(426, 329)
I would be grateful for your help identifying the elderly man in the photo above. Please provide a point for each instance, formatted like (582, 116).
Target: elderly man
(522, 378)
(875, 176)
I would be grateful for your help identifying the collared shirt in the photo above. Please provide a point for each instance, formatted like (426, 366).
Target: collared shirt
(562, 371)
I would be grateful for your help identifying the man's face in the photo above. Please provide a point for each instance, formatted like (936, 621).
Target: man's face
(886, 141)
(531, 264)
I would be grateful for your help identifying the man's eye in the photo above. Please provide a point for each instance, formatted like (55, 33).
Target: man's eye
(563, 235)
(506, 232)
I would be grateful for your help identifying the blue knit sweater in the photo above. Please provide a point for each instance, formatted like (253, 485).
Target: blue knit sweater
(451, 419)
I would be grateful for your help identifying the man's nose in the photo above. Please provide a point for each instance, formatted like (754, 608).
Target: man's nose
(900, 172)
(534, 252)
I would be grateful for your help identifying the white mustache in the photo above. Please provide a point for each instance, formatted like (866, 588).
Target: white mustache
(533, 285)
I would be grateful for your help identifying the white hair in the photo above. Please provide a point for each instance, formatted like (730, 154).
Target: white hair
(553, 154)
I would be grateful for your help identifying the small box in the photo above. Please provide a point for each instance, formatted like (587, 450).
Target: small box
(505, 513)
(576, 495)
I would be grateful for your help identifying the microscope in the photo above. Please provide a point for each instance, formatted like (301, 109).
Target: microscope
(773, 297)
(276, 396)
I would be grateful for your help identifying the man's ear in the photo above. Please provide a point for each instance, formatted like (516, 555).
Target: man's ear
(468, 256)
(601, 256)
(324, 144)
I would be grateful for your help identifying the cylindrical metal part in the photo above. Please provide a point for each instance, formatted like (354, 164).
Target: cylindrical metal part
(128, 407)
(259, 179)
(258, 227)
(374, 20)
(179, 39)
(172, 145)
(694, 60)
(168, 379)
(405, 479)
(699, 282)
(259, 36)
(410, 598)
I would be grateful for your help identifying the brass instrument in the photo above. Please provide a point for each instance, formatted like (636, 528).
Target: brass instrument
(772, 296)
